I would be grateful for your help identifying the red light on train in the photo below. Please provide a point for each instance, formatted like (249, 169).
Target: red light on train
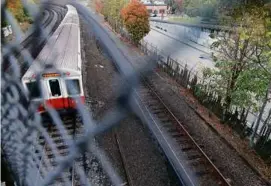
(68, 73)
(33, 75)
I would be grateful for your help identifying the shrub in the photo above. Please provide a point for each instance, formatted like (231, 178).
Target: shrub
(17, 9)
(4, 23)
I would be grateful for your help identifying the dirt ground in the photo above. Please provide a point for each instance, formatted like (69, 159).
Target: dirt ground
(141, 158)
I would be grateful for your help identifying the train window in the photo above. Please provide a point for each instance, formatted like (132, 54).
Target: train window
(34, 89)
(55, 88)
(73, 86)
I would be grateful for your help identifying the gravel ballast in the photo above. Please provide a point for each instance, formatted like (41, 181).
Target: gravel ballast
(224, 157)
(139, 157)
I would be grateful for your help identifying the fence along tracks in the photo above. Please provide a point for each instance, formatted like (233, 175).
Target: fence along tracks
(198, 169)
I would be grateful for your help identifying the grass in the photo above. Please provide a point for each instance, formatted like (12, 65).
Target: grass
(185, 19)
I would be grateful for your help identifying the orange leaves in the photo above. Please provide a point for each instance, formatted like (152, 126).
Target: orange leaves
(14, 5)
(16, 8)
(134, 10)
(99, 5)
(136, 20)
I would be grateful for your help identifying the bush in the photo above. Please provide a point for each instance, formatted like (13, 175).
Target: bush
(192, 12)
(25, 12)
(136, 20)
(18, 11)
(263, 148)
(4, 23)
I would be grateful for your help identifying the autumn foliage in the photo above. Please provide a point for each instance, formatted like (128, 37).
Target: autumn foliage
(136, 20)
(16, 8)
(99, 5)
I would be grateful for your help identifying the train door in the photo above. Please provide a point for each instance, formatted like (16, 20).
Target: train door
(34, 90)
(56, 94)
(73, 90)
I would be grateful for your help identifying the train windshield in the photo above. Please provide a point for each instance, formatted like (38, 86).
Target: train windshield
(73, 87)
(34, 90)
(55, 88)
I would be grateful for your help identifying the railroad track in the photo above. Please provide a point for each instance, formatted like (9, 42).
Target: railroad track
(195, 164)
(53, 13)
(128, 180)
(73, 126)
(33, 43)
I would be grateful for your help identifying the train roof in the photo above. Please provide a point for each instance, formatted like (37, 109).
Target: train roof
(62, 49)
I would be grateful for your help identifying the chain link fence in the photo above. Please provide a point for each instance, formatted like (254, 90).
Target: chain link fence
(22, 126)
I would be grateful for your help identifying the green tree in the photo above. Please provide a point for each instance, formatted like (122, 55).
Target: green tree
(136, 20)
(204, 8)
(263, 58)
(240, 78)
(112, 8)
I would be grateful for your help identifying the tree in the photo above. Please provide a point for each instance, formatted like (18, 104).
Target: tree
(17, 9)
(136, 20)
(99, 5)
(240, 79)
(263, 58)
(265, 100)
(112, 8)
(204, 8)
(176, 6)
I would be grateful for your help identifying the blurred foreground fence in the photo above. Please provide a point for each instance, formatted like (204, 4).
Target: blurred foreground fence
(202, 89)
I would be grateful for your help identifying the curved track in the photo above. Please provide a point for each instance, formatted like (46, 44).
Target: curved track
(52, 16)
(33, 43)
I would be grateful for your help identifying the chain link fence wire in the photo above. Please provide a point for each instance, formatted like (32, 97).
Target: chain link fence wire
(22, 126)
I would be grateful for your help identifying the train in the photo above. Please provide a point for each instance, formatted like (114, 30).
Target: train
(54, 78)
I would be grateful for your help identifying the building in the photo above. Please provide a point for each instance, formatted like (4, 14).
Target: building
(158, 8)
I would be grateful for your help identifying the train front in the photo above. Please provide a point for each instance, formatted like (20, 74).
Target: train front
(61, 89)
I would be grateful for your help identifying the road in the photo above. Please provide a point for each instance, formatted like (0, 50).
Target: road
(184, 51)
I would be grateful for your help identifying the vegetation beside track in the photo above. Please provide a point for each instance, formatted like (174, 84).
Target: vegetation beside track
(21, 15)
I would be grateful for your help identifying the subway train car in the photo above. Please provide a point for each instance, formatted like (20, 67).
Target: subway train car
(55, 77)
